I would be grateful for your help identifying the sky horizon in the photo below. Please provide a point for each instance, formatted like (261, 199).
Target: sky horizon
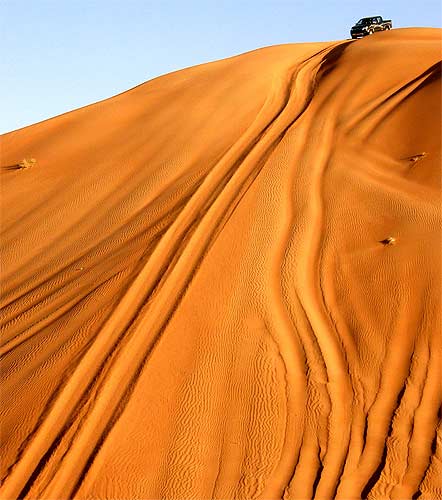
(59, 56)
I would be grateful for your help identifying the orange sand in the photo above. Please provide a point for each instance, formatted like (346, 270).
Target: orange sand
(200, 299)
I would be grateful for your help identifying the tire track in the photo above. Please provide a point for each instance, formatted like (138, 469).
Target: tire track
(338, 384)
(307, 80)
(160, 313)
(137, 346)
(384, 105)
(394, 375)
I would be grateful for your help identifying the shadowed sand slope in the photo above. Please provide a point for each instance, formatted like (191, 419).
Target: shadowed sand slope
(225, 283)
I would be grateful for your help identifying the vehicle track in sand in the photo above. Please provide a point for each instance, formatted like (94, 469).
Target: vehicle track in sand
(153, 282)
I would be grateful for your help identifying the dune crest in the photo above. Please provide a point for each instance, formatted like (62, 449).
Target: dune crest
(225, 282)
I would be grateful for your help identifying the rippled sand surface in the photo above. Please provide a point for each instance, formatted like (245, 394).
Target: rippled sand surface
(225, 283)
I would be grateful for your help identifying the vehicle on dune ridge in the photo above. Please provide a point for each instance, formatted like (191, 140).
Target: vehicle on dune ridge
(369, 25)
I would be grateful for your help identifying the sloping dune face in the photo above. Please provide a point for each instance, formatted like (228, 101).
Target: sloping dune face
(225, 283)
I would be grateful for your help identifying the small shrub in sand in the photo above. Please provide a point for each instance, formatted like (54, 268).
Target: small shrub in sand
(388, 241)
(27, 163)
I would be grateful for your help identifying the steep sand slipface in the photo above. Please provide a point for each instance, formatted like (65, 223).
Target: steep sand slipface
(225, 283)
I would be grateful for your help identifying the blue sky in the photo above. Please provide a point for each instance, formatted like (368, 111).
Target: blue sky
(58, 55)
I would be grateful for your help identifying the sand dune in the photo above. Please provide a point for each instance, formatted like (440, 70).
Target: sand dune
(225, 282)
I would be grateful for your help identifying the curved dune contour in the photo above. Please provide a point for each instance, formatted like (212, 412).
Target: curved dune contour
(225, 283)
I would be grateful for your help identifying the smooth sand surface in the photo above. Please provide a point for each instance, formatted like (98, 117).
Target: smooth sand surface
(225, 283)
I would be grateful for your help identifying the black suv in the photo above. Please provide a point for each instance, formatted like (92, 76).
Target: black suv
(368, 25)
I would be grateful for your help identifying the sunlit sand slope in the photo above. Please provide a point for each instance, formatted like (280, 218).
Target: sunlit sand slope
(225, 283)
